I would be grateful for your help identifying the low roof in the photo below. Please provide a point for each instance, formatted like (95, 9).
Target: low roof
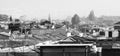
(117, 23)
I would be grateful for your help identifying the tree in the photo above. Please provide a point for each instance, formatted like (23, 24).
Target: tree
(67, 23)
(75, 20)
(91, 16)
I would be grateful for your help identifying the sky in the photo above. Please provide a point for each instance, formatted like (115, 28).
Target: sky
(59, 9)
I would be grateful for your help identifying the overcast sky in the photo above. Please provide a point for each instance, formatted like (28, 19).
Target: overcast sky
(59, 9)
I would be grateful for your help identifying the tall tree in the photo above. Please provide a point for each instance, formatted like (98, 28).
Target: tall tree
(75, 20)
(91, 15)
(67, 23)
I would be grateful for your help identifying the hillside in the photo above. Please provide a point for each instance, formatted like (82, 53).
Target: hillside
(104, 20)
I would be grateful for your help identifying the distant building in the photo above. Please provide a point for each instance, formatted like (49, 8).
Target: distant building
(117, 26)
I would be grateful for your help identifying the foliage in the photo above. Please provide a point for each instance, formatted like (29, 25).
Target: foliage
(67, 23)
(17, 20)
(91, 16)
(75, 20)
